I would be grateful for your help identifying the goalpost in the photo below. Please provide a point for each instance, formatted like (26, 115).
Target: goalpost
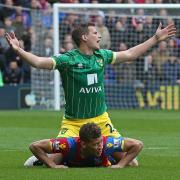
(166, 95)
(149, 82)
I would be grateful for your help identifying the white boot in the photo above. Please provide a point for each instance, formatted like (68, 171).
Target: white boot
(32, 161)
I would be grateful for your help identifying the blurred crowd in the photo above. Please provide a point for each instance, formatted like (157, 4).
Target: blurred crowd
(31, 20)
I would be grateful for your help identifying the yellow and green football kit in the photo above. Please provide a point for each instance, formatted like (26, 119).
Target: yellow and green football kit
(70, 128)
(83, 82)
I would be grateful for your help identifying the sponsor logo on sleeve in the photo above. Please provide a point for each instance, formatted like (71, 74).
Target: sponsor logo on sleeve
(57, 145)
(117, 143)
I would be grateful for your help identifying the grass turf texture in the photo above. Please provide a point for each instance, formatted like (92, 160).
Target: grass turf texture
(159, 130)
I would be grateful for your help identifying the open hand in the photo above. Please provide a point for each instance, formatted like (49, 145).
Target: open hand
(163, 34)
(12, 41)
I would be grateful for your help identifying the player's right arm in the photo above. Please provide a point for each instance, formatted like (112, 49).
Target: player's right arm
(33, 60)
(43, 147)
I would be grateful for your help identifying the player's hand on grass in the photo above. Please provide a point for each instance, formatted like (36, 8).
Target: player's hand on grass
(163, 34)
(116, 166)
(134, 163)
(12, 41)
(60, 167)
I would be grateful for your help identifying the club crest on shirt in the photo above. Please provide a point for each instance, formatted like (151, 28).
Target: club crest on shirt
(100, 62)
(80, 65)
(62, 146)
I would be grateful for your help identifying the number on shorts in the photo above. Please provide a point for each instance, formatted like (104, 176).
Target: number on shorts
(110, 127)
(63, 130)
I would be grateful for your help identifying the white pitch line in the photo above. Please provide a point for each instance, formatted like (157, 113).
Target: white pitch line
(155, 148)
(12, 150)
(159, 148)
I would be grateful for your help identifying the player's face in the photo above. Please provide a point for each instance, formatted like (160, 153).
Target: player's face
(95, 147)
(93, 38)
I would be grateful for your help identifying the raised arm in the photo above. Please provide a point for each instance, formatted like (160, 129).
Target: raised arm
(33, 60)
(136, 51)
(40, 150)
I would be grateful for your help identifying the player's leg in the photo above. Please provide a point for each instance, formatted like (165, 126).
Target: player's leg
(108, 129)
(69, 128)
(104, 122)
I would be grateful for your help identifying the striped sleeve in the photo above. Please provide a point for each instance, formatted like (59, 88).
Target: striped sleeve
(54, 63)
(114, 58)
(108, 56)
(60, 61)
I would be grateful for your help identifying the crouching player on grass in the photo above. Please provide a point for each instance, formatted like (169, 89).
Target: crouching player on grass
(88, 150)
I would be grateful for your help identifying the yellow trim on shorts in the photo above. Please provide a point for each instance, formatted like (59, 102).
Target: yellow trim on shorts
(114, 58)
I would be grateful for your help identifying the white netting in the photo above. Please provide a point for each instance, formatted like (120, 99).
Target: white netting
(152, 81)
(42, 81)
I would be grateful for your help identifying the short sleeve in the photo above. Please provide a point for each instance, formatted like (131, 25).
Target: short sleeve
(60, 61)
(59, 145)
(108, 55)
(114, 145)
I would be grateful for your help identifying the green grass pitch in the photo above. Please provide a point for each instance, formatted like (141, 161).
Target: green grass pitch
(159, 131)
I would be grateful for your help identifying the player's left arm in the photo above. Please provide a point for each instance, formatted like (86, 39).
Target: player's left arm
(40, 150)
(131, 147)
(136, 51)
